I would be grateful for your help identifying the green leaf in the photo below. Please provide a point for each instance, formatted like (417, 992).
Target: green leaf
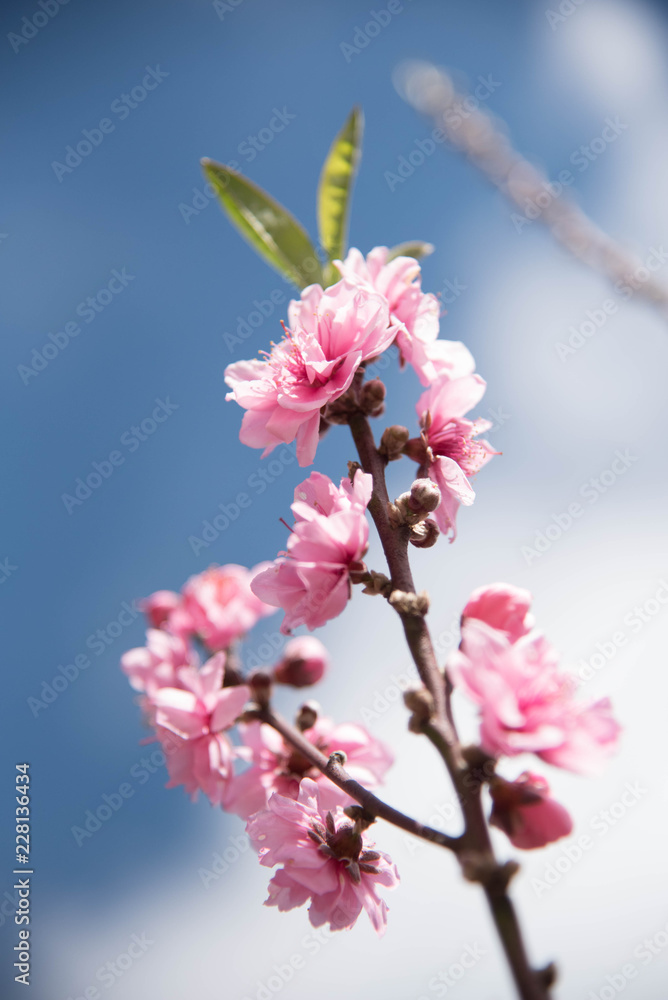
(416, 249)
(270, 229)
(335, 187)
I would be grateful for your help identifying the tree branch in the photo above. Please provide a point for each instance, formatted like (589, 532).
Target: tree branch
(474, 848)
(333, 769)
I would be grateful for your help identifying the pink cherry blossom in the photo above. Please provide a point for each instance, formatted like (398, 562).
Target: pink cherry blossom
(319, 495)
(159, 606)
(448, 451)
(527, 704)
(219, 606)
(501, 606)
(326, 859)
(304, 662)
(526, 812)
(416, 312)
(277, 767)
(159, 663)
(331, 333)
(191, 723)
(311, 581)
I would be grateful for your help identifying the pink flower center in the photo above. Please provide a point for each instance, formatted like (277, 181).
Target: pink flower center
(457, 441)
(344, 845)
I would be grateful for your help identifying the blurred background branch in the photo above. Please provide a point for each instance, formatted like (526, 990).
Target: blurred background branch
(483, 140)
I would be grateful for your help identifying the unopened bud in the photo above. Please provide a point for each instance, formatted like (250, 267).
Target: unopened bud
(307, 715)
(360, 816)
(304, 662)
(358, 572)
(232, 676)
(483, 868)
(410, 604)
(421, 704)
(340, 410)
(260, 684)
(372, 398)
(393, 441)
(425, 496)
(418, 450)
(425, 534)
(159, 606)
(377, 583)
(547, 976)
(415, 506)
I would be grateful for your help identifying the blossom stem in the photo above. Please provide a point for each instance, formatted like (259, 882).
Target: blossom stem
(395, 546)
(474, 847)
(334, 770)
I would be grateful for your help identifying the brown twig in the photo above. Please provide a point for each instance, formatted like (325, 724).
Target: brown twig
(474, 848)
(332, 768)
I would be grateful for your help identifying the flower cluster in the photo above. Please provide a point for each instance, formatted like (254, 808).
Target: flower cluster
(326, 858)
(331, 333)
(290, 393)
(527, 705)
(214, 722)
(202, 715)
(311, 582)
(216, 606)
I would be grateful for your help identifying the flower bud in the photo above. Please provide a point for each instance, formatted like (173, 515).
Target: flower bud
(503, 607)
(392, 442)
(415, 506)
(425, 534)
(526, 813)
(410, 604)
(377, 583)
(420, 702)
(304, 662)
(260, 684)
(307, 715)
(418, 450)
(159, 606)
(425, 496)
(372, 398)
